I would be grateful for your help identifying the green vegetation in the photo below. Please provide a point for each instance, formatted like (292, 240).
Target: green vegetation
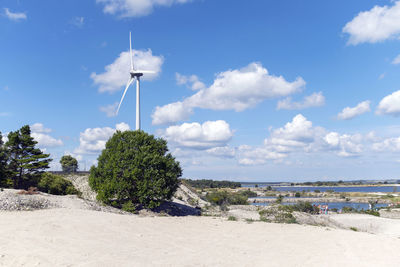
(248, 193)
(278, 214)
(3, 163)
(279, 199)
(211, 184)
(135, 169)
(232, 218)
(297, 194)
(69, 164)
(22, 164)
(354, 229)
(56, 185)
(224, 198)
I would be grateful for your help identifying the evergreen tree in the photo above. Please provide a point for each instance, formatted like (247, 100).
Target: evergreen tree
(3, 163)
(26, 162)
(69, 164)
(133, 169)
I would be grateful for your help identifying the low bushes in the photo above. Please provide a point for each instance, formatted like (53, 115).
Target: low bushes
(56, 185)
(277, 214)
(225, 198)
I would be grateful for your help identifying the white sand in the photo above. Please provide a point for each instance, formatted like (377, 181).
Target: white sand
(75, 237)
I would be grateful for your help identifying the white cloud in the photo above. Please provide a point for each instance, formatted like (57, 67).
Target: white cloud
(93, 140)
(39, 128)
(110, 110)
(376, 25)
(14, 16)
(300, 136)
(313, 100)
(396, 60)
(389, 144)
(260, 155)
(345, 145)
(297, 135)
(199, 136)
(225, 152)
(238, 90)
(390, 104)
(117, 74)
(171, 113)
(135, 8)
(40, 134)
(349, 113)
(192, 81)
(78, 22)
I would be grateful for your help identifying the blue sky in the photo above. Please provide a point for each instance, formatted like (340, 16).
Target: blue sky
(255, 91)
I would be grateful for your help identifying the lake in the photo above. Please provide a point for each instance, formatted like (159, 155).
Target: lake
(383, 189)
(332, 205)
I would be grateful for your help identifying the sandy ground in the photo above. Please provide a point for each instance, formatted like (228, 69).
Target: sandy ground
(76, 237)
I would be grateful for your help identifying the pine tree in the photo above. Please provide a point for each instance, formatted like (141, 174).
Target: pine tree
(26, 163)
(3, 163)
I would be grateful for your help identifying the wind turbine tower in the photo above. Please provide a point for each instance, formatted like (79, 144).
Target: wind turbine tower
(135, 74)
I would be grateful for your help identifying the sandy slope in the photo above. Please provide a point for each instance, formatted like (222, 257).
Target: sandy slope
(75, 237)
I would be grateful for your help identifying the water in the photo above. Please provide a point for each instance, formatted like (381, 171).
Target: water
(333, 205)
(366, 189)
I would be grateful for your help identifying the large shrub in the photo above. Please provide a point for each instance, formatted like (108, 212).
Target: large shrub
(56, 185)
(225, 198)
(69, 164)
(133, 169)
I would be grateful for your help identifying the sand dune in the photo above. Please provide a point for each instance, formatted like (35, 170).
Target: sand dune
(75, 237)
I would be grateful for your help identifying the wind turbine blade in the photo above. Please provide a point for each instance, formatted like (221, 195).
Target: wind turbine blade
(145, 71)
(126, 89)
(130, 49)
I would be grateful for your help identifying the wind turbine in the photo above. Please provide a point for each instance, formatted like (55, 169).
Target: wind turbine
(134, 74)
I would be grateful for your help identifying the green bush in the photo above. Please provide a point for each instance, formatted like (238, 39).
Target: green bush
(347, 209)
(248, 193)
(304, 206)
(372, 212)
(232, 218)
(135, 168)
(224, 198)
(278, 214)
(297, 194)
(56, 185)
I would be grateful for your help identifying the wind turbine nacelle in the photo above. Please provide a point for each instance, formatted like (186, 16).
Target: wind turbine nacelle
(135, 74)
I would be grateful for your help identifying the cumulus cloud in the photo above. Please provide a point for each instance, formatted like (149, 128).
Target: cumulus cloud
(345, 145)
(297, 135)
(135, 8)
(237, 90)
(199, 136)
(300, 136)
(313, 100)
(40, 134)
(389, 144)
(14, 16)
(173, 112)
(376, 25)
(390, 104)
(39, 128)
(117, 73)
(110, 110)
(225, 152)
(192, 81)
(349, 113)
(93, 140)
